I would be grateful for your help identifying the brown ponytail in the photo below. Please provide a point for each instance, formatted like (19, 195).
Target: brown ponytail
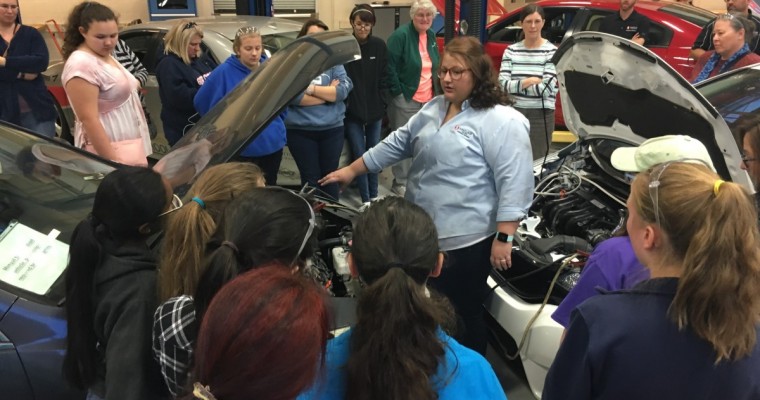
(395, 348)
(190, 228)
(711, 229)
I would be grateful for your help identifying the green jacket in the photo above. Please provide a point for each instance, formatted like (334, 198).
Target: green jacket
(405, 63)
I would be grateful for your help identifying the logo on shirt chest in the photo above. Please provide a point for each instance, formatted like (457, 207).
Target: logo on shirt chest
(321, 80)
(631, 28)
(461, 130)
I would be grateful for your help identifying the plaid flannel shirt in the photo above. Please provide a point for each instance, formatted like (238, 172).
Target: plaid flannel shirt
(175, 330)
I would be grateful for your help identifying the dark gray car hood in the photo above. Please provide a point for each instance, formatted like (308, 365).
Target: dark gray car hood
(612, 88)
(243, 113)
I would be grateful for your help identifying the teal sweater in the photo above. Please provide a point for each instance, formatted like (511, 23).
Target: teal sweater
(405, 63)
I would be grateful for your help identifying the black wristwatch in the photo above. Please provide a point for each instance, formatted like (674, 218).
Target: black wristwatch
(504, 238)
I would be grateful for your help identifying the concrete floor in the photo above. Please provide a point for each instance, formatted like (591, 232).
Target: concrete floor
(511, 376)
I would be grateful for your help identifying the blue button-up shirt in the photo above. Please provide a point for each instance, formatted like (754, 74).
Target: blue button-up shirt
(468, 173)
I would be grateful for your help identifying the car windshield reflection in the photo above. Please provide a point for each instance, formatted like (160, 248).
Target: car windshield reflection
(46, 188)
(736, 96)
(228, 127)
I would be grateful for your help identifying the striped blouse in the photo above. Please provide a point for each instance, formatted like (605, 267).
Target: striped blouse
(128, 59)
(519, 63)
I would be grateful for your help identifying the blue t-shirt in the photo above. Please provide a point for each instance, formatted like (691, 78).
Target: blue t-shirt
(464, 374)
(611, 266)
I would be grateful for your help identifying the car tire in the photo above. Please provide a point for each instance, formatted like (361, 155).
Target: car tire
(62, 127)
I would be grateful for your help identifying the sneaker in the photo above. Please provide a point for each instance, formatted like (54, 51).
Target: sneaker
(364, 207)
(398, 189)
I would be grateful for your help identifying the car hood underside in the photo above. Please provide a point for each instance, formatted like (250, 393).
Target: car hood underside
(612, 88)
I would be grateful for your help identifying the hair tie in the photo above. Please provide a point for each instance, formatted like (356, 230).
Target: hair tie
(716, 186)
(202, 392)
(395, 264)
(199, 201)
(231, 245)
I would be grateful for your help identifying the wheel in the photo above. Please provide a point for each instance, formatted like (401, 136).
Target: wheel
(62, 127)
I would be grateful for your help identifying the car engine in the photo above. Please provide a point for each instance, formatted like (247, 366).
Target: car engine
(579, 201)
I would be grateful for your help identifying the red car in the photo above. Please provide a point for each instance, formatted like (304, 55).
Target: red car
(674, 28)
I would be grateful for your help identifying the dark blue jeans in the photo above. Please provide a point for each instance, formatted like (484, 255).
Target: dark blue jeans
(363, 137)
(29, 121)
(317, 153)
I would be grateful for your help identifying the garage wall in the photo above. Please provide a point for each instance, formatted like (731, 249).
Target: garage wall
(716, 6)
(333, 12)
(39, 11)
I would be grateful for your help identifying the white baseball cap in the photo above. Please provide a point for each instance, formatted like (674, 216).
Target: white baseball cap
(659, 150)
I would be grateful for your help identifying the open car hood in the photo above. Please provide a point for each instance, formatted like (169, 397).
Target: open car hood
(243, 113)
(612, 88)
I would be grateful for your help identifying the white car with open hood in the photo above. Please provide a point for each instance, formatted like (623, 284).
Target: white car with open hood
(615, 93)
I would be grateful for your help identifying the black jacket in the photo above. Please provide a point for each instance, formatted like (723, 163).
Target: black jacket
(369, 78)
(177, 85)
(125, 300)
(27, 53)
(623, 346)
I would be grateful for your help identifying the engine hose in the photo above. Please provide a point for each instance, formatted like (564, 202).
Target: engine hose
(332, 242)
(564, 265)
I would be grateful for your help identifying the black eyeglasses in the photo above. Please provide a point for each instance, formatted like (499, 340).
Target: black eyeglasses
(746, 160)
(455, 73)
(189, 25)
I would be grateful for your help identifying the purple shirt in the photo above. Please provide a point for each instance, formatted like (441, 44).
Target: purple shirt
(611, 266)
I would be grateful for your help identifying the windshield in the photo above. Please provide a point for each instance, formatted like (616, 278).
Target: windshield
(277, 41)
(737, 98)
(695, 15)
(244, 112)
(46, 188)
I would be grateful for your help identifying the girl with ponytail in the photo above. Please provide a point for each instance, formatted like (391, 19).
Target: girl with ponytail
(398, 348)
(689, 332)
(111, 289)
(260, 227)
(190, 227)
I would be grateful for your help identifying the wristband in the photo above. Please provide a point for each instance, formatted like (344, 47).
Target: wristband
(504, 238)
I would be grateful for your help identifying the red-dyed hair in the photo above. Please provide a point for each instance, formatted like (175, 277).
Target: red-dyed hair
(263, 336)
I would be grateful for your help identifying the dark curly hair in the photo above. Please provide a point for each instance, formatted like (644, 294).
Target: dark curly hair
(83, 15)
(487, 91)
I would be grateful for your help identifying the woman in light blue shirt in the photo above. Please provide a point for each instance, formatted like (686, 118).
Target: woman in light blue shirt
(398, 348)
(471, 171)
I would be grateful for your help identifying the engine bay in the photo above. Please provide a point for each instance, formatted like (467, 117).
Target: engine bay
(579, 201)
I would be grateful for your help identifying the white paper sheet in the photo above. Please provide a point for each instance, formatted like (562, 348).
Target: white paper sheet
(31, 260)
